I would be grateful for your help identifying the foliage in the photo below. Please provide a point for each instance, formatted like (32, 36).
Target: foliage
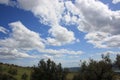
(117, 62)
(48, 70)
(96, 70)
(1, 68)
(24, 76)
(12, 71)
(4, 76)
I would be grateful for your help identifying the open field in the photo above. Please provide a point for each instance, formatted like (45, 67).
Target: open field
(71, 75)
(20, 70)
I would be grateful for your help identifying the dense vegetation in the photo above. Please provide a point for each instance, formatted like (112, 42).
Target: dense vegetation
(98, 70)
(117, 62)
(49, 70)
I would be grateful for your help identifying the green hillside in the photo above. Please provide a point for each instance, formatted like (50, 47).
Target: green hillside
(48, 70)
(21, 70)
(6, 68)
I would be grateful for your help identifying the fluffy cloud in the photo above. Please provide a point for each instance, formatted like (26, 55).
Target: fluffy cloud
(110, 52)
(4, 2)
(47, 57)
(21, 39)
(96, 16)
(60, 36)
(115, 1)
(50, 13)
(103, 40)
(7, 53)
(60, 52)
(89, 15)
(8, 2)
(72, 14)
(3, 30)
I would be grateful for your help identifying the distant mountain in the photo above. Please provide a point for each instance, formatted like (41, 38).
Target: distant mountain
(74, 69)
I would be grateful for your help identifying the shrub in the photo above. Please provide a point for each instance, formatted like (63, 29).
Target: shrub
(48, 70)
(96, 70)
(12, 71)
(6, 77)
(24, 76)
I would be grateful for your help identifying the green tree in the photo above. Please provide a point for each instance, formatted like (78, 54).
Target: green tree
(12, 71)
(48, 70)
(96, 70)
(6, 77)
(24, 76)
(117, 62)
(1, 68)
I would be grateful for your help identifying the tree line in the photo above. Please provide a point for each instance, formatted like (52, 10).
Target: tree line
(49, 70)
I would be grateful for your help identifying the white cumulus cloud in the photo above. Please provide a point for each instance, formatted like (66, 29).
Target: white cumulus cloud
(61, 51)
(103, 40)
(50, 13)
(60, 36)
(8, 2)
(115, 1)
(110, 52)
(3, 30)
(98, 19)
(7, 53)
(97, 16)
(4, 2)
(21, 39)
(89, 16)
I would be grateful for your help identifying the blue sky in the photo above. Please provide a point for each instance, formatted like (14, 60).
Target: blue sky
(65, 31)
